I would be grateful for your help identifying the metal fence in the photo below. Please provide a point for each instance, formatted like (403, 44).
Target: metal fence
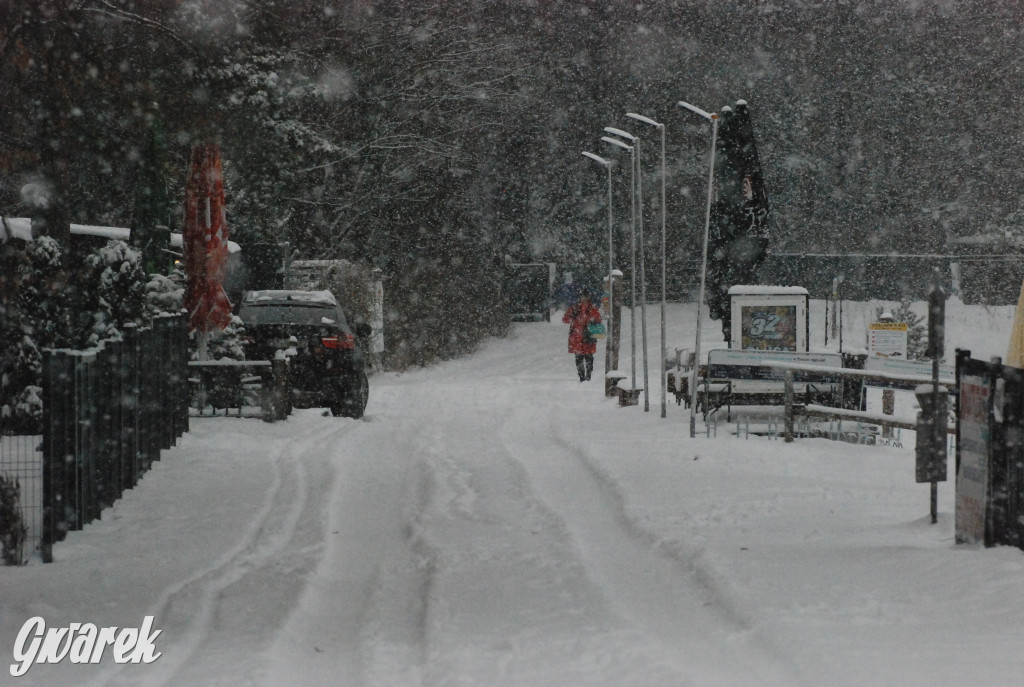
(108, 412)
(21, 461)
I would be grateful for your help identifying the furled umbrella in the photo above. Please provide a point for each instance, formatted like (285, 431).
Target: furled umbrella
(205, 245)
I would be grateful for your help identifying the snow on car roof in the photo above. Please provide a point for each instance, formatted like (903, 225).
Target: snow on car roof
(286, 295)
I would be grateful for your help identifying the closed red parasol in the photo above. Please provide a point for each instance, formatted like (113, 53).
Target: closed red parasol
(205, 242)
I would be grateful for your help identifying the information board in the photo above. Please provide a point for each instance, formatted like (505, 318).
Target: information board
(768, 318)
(887, 339)
(972, 478)
(768, 327)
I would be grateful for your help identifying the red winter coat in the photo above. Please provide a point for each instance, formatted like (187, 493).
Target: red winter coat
(578, 317)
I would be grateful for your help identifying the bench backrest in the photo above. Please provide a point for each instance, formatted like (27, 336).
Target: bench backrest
(922, 368)
(749, 365)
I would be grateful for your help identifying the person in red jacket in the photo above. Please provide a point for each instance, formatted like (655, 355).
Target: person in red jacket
(581, 343)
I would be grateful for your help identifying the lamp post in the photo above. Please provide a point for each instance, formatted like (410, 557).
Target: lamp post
(640, 253)
(611, 266)
(648, 120)
(632, 242)
(704, 259)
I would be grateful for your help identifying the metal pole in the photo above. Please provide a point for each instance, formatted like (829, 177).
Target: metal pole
(643, 278)
(632, 240)
(703, 277)
(939, 433)
(632, 268)
(607, 165)
(663, 370)
(611, 291)
(661, 366)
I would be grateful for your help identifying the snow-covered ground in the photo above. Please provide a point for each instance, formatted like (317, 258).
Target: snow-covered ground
(492, 521)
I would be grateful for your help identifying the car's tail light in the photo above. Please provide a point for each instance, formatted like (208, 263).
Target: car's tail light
(342, 341)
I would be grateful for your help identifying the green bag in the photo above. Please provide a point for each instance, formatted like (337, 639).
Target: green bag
(597, 330)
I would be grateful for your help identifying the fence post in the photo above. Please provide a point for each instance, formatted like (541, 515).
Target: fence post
(183, 352)
(148, 399)
(130, 366)
(888, 408)
(789, 406)
(83, 457)
(117, 391)
(281, 394)
(56, 393)
(962, 356)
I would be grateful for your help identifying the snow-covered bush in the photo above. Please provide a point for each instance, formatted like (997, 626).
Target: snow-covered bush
(220, 344)
(113, 293)
(165, 294)
(34, 315)
(51, 301)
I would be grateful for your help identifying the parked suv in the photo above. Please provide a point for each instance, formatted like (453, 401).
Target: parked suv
(325, 362)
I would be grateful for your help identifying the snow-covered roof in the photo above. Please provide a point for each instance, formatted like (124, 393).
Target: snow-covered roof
(288, 295)
(757, 290)
(21, 228)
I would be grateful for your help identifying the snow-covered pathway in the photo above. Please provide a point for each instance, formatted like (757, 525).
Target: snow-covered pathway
(494, 522)
(489, 550)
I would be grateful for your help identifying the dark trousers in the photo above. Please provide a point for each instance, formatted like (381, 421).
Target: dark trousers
(584, 366)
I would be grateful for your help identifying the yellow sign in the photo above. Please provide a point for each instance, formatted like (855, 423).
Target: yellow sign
(887, 339)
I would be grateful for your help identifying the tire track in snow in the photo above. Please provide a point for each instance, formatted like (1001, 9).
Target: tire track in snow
(393, 635)
(661, 589)
(194, 609)
(512, 603)
(362, 615)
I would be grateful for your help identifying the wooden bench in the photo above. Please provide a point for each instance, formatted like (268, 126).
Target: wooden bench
(679, 369)
(746, 377)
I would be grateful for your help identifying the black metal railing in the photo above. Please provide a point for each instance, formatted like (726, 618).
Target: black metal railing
(21, 512)
(108, 412)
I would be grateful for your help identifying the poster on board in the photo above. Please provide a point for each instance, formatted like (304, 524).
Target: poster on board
(972, 477)
(887, 340)
(768, 318)
(768, 327)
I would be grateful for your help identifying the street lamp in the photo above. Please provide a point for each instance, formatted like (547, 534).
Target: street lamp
(648, 120)
(611, 266)
(632, 241)
(640, 251)
(704, 259)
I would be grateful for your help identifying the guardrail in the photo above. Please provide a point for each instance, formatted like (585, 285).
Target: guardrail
(788, 371)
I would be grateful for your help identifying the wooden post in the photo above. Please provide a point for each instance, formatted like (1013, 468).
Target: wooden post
(282, 391)
(789, 406)
(612, 344)
(888, 408)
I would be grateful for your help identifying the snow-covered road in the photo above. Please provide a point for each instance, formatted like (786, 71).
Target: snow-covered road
(494, 522)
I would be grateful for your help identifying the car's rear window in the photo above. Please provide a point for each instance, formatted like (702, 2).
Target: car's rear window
(276, 313)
